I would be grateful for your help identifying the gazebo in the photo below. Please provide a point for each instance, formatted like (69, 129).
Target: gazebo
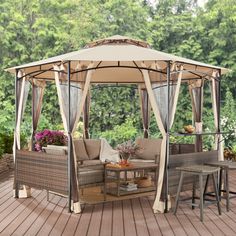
(119, 60)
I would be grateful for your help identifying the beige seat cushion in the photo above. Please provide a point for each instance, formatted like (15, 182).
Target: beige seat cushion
(89, 176)
(80, 150)
(149, 148)
(93, 164)
(93, 148)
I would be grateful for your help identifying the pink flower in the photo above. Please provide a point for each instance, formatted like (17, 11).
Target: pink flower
(49, 137)
(128, 148)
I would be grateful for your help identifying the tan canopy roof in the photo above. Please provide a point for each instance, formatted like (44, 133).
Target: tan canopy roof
(118, 59)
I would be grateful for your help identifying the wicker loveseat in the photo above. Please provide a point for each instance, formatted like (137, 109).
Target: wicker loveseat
(42, 171)
(150, 149)
(90, 168)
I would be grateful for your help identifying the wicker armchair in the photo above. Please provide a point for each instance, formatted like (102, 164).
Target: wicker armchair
(90, 168)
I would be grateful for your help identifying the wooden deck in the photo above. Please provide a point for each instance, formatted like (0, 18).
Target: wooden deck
(36, 216)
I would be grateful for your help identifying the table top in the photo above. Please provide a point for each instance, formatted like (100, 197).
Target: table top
(132, 166)
(226, 164)
(199, 168)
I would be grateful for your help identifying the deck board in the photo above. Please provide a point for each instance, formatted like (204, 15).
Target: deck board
(21, 216)
(193, 216)
(37, 216)
(106, 223)
(96, 220)
(61, 223)
(153, 227)
(129, 223)
(52, 219)
(84, 223)
(118, 223)
(71, 225)
(43, 217)
(31, 218)
(17, 211)
(140, 222)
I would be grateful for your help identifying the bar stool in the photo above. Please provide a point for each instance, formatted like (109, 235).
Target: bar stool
(200, 171)
(224, 166)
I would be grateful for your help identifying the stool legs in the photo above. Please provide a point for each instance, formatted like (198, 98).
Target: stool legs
(217, 194)
(227, 188)
(201, 196)
(226, 185)
(194, 193)
(178, 192)
(206, 185)
(220, 183)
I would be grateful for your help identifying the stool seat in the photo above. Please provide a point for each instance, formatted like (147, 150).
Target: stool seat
(226, 164)
(199, 169)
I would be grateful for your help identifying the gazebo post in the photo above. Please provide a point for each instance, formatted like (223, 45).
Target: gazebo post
(219, 97)
(15, 144)
(167, 137)
(69, 139)
(145, 110)
(219, 106)
(198, 118)
(33, 101)
(86, 116)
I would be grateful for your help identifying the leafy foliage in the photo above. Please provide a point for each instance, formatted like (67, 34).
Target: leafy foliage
(120, 133)
(33, 30)
(6, 142)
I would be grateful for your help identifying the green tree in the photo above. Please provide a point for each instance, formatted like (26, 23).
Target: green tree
(33, 30)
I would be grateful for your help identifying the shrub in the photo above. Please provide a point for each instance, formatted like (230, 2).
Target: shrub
(49, 137)
(6, 143)
(7, 140)
(120, 133)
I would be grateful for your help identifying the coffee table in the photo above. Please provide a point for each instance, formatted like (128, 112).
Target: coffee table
(113, 174)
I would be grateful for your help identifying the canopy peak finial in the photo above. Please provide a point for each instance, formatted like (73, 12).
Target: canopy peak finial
(118, 39)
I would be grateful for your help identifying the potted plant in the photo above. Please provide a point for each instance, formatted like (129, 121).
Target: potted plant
(127, 150)
(49, 137)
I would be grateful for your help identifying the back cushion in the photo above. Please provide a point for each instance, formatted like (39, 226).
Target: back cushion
(80, 150)
(93, 148)
(55, 150)
(149, 148)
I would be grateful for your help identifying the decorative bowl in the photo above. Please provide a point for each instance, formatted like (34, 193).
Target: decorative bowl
(189, 129)
(144, 182)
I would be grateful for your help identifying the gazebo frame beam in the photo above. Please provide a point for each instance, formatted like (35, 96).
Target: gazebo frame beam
(69, 139)
(40, 71)
(219, 98)
(167, 138)
(15, 144)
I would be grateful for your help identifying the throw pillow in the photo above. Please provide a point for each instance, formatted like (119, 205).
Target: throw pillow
(80, 150)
